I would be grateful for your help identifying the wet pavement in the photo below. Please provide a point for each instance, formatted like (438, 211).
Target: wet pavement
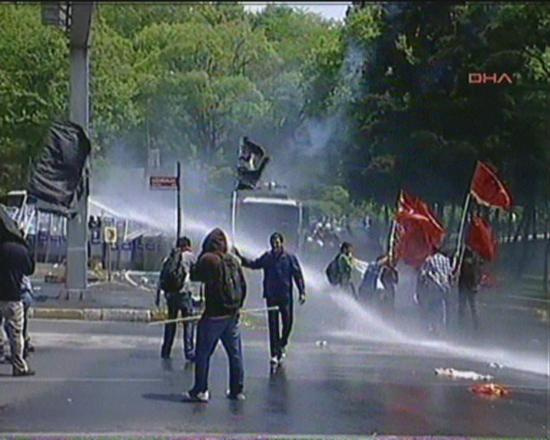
(103, 377)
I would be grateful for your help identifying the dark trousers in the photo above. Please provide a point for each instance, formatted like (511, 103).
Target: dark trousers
(349, 287)
(277, 339)
(209, 332)
(179, 303)
(467, 297)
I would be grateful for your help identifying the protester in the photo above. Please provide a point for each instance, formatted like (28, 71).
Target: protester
(469, 281)
(340, 269)
(345, 267)
(15, 262)
(433, 286)
(174, 280)
(225, 292)
(378, 284)
(280, 269)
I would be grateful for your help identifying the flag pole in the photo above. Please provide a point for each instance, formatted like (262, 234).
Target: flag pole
(459, 246)
(197, 317)
(391, 238)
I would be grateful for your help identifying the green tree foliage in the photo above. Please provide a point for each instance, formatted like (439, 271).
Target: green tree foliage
(389, 86)
(415, 122)
(33, 88)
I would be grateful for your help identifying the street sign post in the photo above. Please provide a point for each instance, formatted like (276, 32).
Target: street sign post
(170, 183)
(163, 182)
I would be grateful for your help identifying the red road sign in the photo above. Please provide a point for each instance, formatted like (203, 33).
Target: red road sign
(163, 182)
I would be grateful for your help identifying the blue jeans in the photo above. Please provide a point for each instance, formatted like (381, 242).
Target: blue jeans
(209, 332)
(179, 302)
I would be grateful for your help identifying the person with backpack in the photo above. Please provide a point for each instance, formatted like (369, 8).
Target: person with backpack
(225, 293)
(340, 269)
(378, 283)
(174, 281)
(280, 268)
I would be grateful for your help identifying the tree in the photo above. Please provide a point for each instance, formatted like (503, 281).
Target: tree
(33, 88)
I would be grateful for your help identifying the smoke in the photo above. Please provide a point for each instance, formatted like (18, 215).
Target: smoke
(313, 152)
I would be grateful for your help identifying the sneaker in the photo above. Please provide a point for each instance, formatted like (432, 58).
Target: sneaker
(283, 353)
(198, 397)
(274, 360)
(238, 396)
(18, 373)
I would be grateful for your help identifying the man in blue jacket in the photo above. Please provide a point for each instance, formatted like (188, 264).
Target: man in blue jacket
(280, 269)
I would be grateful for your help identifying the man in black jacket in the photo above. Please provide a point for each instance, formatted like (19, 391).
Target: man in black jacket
(468, 286)
(15, 262)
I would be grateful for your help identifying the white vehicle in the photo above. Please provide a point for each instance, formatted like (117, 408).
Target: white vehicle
(257, 214)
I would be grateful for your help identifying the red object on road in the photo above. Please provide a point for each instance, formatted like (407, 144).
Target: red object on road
(488, 190)
(490, 390)
(482, 239)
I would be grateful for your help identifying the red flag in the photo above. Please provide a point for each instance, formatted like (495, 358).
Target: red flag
(488, 190)
(419, 233)
(482, 239)
(412, 203)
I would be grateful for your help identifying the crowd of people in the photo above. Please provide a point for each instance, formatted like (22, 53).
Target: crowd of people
(220, 270)
(435, 280)
(209, 291)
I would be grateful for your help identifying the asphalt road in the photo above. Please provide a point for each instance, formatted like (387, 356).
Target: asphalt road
(102, 377)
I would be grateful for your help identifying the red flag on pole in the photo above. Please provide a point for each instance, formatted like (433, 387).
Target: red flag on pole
(418, 231)
(488, 190)
(482, 239)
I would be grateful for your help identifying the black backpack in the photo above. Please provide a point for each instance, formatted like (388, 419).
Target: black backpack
(333, 272)
(233, 290)
(172, 274)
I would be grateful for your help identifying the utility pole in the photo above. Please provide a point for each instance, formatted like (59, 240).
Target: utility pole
(178, 201)
(77, 227)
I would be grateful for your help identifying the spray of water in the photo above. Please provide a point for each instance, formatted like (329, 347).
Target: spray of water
(361, 324)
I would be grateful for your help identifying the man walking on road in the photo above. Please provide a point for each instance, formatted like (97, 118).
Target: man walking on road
(280, 269)
(15, 262)
(225, 292)
(174, 280)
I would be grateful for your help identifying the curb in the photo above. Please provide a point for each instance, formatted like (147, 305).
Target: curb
(125, 315)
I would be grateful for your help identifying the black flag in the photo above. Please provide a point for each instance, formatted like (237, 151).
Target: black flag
(56, 178)
(252, 162)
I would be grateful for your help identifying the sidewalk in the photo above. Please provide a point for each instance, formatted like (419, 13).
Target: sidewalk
(109, 301)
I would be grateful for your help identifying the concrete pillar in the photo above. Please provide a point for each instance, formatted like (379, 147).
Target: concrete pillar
(77, 227)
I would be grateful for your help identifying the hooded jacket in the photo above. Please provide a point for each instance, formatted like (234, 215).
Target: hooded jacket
(208, 270)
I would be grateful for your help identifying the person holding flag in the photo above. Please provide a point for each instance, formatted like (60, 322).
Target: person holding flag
(487, 190)
(469, 281)
(481, 246)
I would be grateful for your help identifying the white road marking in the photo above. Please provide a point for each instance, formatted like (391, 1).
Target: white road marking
(77, 379)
